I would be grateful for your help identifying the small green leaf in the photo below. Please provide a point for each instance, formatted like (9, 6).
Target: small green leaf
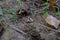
(20, 12)
(11, 10)
(46, 3)
(45, 14)
(19, 3)
(14, 18)
(1, 13)
(8, 11)
(31, 12)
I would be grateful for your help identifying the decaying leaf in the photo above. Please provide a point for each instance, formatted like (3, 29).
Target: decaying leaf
(52, 21)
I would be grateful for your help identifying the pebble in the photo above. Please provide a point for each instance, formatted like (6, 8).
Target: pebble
(29, 20)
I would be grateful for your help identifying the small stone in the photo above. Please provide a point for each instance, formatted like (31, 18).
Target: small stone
(52, 21)
(29, 20)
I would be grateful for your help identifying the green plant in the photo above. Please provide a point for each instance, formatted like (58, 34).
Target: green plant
(45, 8)
(21, 11)
(11, 11)
(1, 12)
(58, 12)
(45, 14)
(8, 11)
(31, 12)
(19, 3)
(14, 16)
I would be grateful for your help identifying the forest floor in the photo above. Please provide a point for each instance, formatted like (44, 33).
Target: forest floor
(28, 27)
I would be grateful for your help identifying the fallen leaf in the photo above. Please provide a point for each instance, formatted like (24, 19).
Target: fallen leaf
(52, 21)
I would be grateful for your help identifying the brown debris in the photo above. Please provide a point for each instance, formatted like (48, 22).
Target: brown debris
(53, 4)
(1, 30)
(35, 36)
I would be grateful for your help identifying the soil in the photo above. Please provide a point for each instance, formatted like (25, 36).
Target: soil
(28, 27)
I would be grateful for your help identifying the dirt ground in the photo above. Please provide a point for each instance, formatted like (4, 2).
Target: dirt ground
(31, 27)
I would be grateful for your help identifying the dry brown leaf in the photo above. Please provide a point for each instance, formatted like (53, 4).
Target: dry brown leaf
(52, 21)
